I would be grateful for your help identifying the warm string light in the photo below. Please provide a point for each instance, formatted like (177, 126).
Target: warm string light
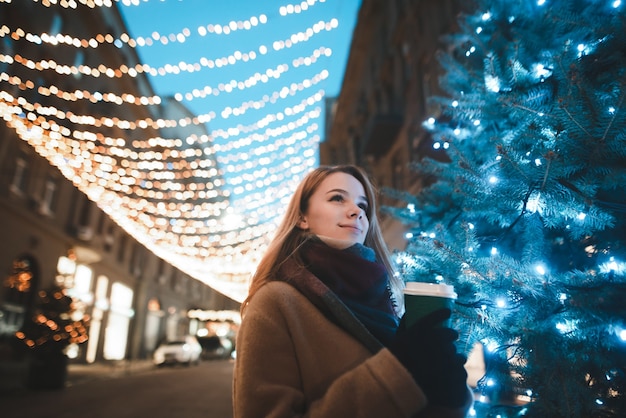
(136, 215)
(125, 39)
(42, 110)
(146, 179)
(181, 67)
(72, 4)
(76, 95)
(147, 166)
(127, 98)
(221, 151)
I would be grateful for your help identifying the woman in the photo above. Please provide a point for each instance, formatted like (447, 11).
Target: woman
(320, 334)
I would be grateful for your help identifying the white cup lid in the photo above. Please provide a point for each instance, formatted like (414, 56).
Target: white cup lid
(430, 289)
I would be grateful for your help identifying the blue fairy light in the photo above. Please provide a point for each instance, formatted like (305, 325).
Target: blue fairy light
(541, 269)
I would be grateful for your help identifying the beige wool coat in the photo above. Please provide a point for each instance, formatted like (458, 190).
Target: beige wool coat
(292, 361)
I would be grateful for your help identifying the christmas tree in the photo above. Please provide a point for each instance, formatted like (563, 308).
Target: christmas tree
(527, 217)
(52, 327)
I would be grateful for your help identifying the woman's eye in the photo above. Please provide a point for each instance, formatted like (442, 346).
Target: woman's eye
(363, 206)
(337, 198)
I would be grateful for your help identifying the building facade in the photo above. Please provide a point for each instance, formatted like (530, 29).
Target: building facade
(376, 122)
(53, 232)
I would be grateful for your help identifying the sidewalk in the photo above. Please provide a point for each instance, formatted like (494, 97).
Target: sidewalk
(13, 375)
(80, 373)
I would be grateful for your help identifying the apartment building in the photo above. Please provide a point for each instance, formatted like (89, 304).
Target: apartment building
(53, 231)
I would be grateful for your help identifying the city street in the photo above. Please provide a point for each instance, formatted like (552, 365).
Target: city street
(179, 391)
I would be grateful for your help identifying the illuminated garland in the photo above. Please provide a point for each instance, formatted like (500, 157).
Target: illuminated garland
(72, 4)
(100, 162)
(150, 215)
(128, 98)
(181, 67)
(36, 110)
(159, 123)
(208, 208)
(125, 39)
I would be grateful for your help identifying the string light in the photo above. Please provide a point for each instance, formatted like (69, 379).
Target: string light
(89, 120)
(171, 194)
(181, 67)
(139, 168)
(67, 4)
(149, 213)
(143, 41)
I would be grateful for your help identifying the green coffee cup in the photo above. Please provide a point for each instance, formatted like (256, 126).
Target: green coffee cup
(420, 299)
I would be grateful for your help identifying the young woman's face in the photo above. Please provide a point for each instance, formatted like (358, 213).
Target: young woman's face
(337, 209)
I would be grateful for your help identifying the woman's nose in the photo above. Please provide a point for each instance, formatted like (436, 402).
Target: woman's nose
(356, 212)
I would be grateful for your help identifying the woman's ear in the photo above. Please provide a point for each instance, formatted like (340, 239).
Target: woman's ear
(302, 223)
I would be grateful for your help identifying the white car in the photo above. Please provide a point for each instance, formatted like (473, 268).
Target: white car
(185, 350)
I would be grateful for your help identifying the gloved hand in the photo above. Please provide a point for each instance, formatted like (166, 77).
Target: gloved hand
(427, 351)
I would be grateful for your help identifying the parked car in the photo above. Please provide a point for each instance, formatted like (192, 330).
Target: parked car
(215, 347)
(185, 350)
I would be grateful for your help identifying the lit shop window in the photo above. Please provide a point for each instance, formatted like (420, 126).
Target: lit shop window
(120, 314)
(101, 305)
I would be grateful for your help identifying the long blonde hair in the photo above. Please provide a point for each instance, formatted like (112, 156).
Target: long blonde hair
(289, 237)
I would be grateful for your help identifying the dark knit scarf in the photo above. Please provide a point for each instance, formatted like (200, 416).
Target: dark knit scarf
(357, 280)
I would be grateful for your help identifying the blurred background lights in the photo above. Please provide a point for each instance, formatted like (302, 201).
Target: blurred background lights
(206, 203)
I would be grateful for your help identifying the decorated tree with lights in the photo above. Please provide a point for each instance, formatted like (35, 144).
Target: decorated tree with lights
(54, 324)
(527, 219)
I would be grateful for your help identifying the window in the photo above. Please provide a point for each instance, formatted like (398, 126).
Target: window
(109, 239)
(19, 289)
(137, 260)
(121, 250)
(18, 185)
(48, 198)
(118, 324)
(161, 277)
(20, 282)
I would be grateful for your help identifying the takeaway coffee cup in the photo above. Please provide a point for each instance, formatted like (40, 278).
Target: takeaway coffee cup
(420, 299)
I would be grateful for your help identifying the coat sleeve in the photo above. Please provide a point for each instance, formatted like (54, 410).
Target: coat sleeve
(269, 377)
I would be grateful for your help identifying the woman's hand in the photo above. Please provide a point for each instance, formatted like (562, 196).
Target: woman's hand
(427, 350)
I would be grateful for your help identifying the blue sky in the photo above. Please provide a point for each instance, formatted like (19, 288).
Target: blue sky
(172, 16)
